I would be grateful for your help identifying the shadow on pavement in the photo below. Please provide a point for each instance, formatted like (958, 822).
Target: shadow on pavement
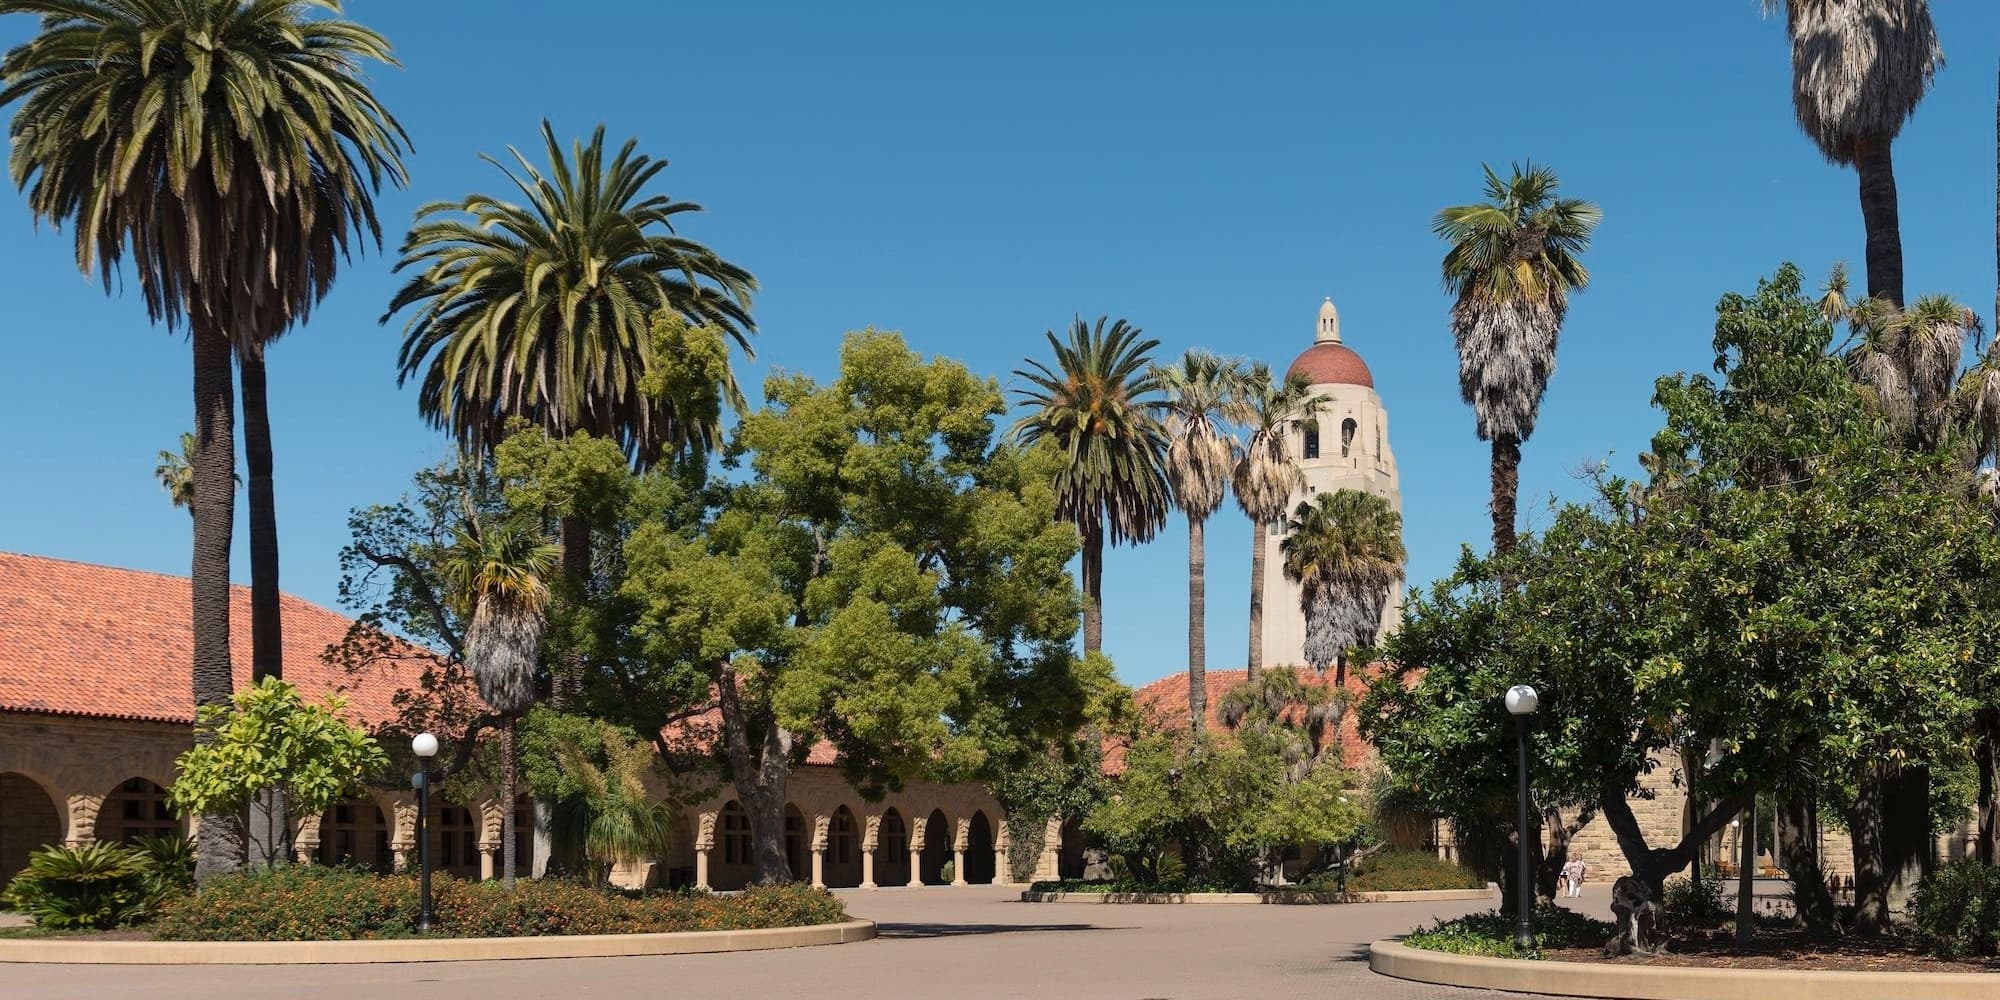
(908, 930)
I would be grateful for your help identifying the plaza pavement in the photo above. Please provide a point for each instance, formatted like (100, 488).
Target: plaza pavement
(970, 942)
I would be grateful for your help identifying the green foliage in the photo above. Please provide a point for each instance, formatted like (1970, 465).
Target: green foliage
(96, 886)
(1688, 903)
(1175, 881)
(271, 738)
(1955, 910)
(1491, 934)
(319, 903)
(1065, 783)
(948, 871)
(1407, 871)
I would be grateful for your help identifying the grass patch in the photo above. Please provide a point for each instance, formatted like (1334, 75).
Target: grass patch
(1492, 935)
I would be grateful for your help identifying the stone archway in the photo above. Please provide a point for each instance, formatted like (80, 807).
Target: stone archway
(1069, 858)
(892, 850)
(937, 848)
(796, 856)
(979, 850)
(136, 808)
(454, 836)
(28, 820)
(842, 868)
(356, 832)
(734, 866)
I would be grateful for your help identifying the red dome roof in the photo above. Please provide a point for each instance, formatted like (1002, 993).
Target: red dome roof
(1331, 363)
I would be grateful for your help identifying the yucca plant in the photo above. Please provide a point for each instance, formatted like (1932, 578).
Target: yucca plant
(96, 886)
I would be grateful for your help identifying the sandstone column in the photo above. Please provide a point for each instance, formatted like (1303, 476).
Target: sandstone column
(868, 852)
(958, 845)
(704, 842)
(83, 808)
(917, 832)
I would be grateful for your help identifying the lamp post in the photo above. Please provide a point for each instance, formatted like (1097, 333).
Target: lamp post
(1521, 703)
(425, 746)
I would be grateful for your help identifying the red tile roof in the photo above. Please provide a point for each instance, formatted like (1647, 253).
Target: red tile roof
(704, 732)
(1164, 705)
(1332, 363)
(81, 639)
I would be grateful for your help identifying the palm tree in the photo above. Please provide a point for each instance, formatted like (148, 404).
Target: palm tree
(1910, 358)
(1345, 551)
(1099, 405)
(1512, 265)
(1266, 476)
(1202, 394)
(497, 575)
(231, 150)
(1859, 68)
(617, 820)
(176, 473)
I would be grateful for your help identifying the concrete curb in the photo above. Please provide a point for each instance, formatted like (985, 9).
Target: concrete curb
(1261, 898)
(1657, 982)
(74, 952)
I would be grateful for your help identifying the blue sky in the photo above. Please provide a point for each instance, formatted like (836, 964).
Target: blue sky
(973, 176)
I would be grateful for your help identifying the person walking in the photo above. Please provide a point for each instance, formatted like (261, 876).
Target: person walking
(1573, 872)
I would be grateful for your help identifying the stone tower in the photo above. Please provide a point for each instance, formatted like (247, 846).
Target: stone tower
(1348, 449)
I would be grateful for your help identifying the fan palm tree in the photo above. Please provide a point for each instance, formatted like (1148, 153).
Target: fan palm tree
(231, 150)
(1859, 68)
(1910, 359)
(176, 473)
(1202, 399)
(1512, 264)
(1345, 551)
(1266, 475)
(1099, 405)
(497, 575)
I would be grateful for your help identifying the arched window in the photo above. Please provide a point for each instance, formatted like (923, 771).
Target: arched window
(735, 835)
(138, 808)
(1347, 429)
(840, 837)
(1311, 449)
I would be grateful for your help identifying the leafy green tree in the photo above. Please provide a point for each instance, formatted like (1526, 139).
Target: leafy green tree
(233, 150)
(1513, 262)
(1098, 406)
(1345, 551)
(1859, 69)
(883, 575)
(271, 738)
(607, 812)
(1201, 402)
(1267, 476)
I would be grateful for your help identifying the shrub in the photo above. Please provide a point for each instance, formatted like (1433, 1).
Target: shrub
(1405, 871)
(1171, 885)
(1955, 910)
(320, 903)
(77, 888)
(947, 872)
(1492, 934)
(1688, 903)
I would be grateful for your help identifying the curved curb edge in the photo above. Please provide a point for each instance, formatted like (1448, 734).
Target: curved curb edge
(1261, 898)
(56, 951)
(1661, 982)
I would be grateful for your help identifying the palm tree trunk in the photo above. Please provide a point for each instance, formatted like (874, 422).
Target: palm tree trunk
(1506, 490)
(1256, 660)
(1093, 589)
(1878, 213)
(1197, 625)
(267, 640)
(509, 776)
(220, 837)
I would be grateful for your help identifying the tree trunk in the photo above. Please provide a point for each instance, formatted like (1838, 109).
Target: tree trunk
(1093, 589)
(1257, 547)
(1987, 725)
(1652, 865)
(1908, 844)
(221, 837)
(267, 643)
(1506, 491)
(1878, 213)
(509, 779)
(1812, 902)
(761, 776)
(1871, 905)
(1197, 625)
(1746, 843)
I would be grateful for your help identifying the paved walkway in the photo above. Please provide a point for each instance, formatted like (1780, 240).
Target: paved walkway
(973, 942)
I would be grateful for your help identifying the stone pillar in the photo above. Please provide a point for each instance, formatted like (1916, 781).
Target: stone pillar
(1049, 866)
(704, 842)
(820, 825)
(488, 861)
(83, 808)
(917, 831)
(1003, 865)
(305, 839)
(403, 838)
(868, 852)
(959, 842)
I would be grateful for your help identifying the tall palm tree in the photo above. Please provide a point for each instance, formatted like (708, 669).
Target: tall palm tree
(1099, 404)
(1267, 476)
(497, 575)
(1345, 551)
(1202, 399)
(1859, 68)
(543, 310)
(231, 149)
(1512, 264)
(1910, 359)
(176, 473)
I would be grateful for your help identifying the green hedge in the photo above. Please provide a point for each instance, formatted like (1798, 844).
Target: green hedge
(1123, 885)
(1492, 935)
(1955, 910)
(321, 903)
(1404, 871)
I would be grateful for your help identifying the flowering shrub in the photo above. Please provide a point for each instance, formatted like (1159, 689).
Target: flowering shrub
(319, 903)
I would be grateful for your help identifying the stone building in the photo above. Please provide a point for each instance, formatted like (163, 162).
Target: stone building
(96, 705)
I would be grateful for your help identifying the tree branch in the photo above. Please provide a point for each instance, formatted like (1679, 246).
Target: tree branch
(421, 586)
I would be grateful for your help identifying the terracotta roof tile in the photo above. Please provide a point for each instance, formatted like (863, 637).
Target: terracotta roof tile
(1164, 704)
(82, 639)
(1332, 364)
